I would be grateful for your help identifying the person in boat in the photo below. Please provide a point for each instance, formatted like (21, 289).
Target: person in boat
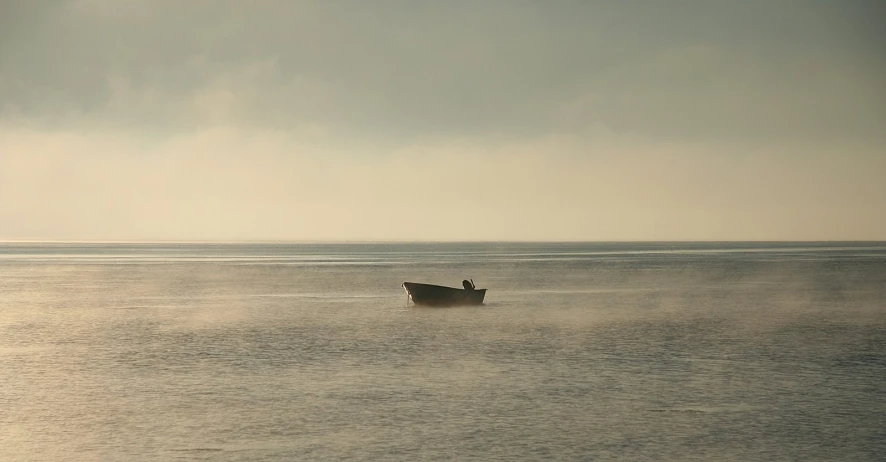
(468, 285)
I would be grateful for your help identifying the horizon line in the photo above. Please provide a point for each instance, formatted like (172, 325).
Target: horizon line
(419, 241)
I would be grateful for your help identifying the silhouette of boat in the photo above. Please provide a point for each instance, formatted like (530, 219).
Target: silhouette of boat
(433, 295)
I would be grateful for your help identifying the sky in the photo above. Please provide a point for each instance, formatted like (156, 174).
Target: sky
(422, 120)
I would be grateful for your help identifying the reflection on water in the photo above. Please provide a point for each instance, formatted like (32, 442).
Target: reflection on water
(227, 352)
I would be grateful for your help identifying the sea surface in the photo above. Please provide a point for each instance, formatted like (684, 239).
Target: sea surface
(582, 351)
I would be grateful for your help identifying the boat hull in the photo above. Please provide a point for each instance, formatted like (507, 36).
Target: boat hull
(433, 295)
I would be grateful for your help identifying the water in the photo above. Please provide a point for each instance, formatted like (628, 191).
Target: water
(753, 351)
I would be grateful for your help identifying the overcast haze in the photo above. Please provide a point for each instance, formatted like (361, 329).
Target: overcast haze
(488, 120)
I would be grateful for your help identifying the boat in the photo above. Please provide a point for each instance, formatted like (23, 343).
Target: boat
(433, 295)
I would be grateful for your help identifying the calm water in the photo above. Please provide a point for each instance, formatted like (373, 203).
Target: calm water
(582, 351)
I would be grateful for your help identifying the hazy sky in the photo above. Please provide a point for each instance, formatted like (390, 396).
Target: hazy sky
(432, 120)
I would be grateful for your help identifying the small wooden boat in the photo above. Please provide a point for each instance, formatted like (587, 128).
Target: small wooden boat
(431, 295)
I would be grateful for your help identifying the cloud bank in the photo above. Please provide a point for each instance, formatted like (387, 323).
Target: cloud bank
(430, 121)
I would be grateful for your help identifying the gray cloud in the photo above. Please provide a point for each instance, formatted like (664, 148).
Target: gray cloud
(529, 120)
(741, 71)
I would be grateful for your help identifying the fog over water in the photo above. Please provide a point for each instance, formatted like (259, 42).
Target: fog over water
(688, 351)
(676, 208)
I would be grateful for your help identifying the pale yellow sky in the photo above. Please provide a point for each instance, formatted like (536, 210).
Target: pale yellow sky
(497, 120)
